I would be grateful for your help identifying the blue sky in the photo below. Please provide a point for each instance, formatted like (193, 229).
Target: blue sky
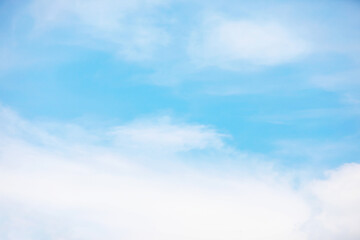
(221, 93)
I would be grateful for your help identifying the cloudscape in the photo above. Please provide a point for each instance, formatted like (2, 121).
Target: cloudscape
(182, 120)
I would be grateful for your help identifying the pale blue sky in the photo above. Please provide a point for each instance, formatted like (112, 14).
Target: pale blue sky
(298, 82)
(238, 84)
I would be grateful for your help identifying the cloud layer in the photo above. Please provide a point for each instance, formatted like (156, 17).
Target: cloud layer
(281, 79)
(83, 190)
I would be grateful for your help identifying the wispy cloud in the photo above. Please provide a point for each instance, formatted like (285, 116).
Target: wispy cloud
(243, 43)
(163, 135)
(90, 192)
(269, 150)
(123, 27)
(346, 83)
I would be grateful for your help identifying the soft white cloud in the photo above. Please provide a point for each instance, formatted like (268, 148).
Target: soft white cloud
(121, 26)
(164, 135)
(58, 189)
(337, 204)
(239, 43)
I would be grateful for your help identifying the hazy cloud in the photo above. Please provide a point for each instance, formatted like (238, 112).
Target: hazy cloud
(90, 191)
(242, 43)
(121, 26)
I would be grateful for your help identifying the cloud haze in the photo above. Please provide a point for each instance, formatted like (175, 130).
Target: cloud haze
(235, 43)
(120, 196)
(158, 119)
(121, 26)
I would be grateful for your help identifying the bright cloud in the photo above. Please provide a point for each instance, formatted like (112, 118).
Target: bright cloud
(72, 186)
(236, 43)
(269, 149)
(337, 204)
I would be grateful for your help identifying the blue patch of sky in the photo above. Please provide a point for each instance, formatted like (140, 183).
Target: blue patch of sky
(256, 108)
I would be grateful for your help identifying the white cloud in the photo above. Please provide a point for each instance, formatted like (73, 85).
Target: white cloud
(120, 26)
(164, 135)
(338, 204)
(242, 43)
(66, 190)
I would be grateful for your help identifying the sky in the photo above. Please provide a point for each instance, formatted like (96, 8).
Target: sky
(182, 120)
